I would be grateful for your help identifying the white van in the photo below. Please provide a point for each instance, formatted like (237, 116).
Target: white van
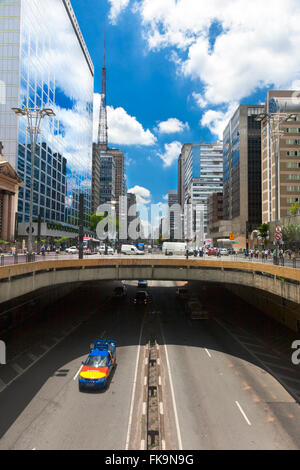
(177, 248)
(131, 250)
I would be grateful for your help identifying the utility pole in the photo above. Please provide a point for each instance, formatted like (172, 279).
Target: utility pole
(81, 222)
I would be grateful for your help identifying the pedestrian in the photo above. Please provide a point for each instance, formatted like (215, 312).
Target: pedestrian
(187, 254)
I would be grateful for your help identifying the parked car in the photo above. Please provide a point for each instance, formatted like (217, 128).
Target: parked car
(110, 250)
(72, 250)
(212, 251)
(224, 251)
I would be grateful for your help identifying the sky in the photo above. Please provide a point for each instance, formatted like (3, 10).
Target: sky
(178, 69)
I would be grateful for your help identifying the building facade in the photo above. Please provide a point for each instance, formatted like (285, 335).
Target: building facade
(280, 136)
(107, 178)
(45, 64)
(242, 171)
(203, 175)
(174, 216)
(214, 208)
(10, 183)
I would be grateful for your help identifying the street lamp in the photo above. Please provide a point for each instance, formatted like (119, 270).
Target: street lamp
(34, 119)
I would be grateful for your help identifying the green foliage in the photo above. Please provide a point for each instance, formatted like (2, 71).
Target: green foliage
(294, 210)
(291, 232)
(263, 230)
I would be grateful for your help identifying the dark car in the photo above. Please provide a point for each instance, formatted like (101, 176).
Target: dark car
(142, 284)
(120, 291)
(141, 298)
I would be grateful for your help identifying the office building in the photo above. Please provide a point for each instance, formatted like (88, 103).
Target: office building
(214, 208)
(242, 169)
(107, 178)
(45, 63)
(203, 175)
(180, 173)
(282, 129)
(174, 216)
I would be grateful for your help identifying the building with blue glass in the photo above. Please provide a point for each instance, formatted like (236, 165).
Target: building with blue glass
(44, 63)
(203, 175)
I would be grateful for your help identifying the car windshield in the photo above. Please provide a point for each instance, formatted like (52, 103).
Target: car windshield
(96, 361)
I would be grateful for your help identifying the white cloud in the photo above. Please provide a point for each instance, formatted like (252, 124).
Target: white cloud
(166, 197)
(123, 129)
(171, 126)
(216, 121)
(143, 195)
(116, 7)
(257, 44)
(201, 102)
(171, 153)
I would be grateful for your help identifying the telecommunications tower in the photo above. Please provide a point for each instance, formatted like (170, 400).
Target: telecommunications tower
(102, 129)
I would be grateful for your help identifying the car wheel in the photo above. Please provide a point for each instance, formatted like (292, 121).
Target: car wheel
(80, 387)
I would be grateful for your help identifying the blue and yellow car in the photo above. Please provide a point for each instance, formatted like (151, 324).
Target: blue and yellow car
(98, 366)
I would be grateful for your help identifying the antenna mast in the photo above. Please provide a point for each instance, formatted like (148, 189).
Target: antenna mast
(102, 129)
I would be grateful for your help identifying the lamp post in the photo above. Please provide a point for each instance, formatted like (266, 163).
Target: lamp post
(275, 120)
(34, 118)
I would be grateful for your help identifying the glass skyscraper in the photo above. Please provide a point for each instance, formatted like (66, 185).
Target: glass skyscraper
(44, 63)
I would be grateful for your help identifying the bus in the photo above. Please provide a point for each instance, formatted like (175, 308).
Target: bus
(90, 245)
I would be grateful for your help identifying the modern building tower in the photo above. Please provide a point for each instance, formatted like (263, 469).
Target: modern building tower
(45, 64)
(280, 154)
(242, 169)
(203, 175)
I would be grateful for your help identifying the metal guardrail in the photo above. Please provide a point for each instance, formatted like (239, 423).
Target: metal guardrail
(8, 260)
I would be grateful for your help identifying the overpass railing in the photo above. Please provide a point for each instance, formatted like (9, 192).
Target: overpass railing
(7, 260)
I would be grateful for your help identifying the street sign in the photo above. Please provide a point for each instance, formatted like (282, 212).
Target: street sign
(278, 236)
(278, 229)
(231, 236)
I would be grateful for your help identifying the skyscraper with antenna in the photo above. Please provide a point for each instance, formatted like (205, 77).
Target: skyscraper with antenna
(102, 140)
(101, 149)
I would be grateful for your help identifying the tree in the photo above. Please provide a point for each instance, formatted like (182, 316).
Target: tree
(291, 232)
(294, 210)
(263, 230)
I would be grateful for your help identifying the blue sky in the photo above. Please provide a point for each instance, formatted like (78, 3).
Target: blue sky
(177, 69)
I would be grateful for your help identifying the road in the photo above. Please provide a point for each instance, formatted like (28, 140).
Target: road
(220, 390)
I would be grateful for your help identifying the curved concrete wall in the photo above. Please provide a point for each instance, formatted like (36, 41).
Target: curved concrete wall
(17, 280)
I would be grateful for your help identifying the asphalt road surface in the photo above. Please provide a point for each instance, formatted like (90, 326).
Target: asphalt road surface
(220, 388)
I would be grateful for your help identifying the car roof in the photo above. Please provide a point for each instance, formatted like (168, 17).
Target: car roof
(99, 352)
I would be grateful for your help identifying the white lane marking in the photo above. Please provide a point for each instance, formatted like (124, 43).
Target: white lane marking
(264, 365)
(17, 368)
(31, 356)
(76, 375)
(2, 385)
(243, 413)
(144, 408)
(173, 395)
(163, 444)
(207, 352)
(161, 408)
(142, 445)
(134, 389)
